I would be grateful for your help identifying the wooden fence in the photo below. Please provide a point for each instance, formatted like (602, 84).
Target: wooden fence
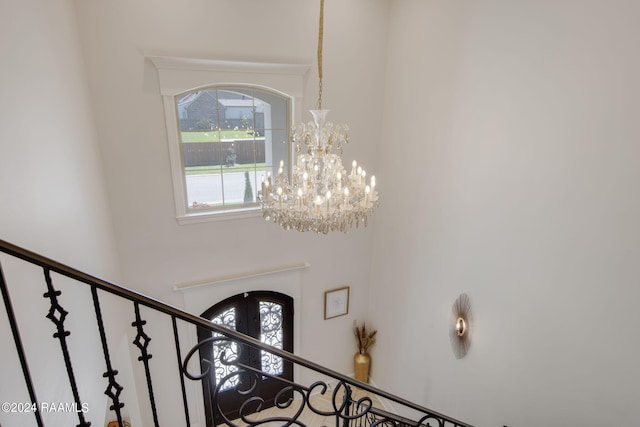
(223, 153)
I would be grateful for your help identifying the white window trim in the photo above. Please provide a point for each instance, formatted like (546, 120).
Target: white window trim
(177, 75)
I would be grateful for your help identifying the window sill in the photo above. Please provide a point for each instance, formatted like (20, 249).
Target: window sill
(210, 216)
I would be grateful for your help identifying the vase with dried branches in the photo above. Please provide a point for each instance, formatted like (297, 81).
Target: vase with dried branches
(362, 360)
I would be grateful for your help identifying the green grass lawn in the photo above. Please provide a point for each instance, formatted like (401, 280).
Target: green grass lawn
(215, 135)
(201, 170)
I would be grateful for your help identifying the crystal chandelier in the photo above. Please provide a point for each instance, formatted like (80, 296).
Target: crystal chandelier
(321, 196)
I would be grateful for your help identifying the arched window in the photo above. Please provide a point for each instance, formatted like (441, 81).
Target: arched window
(226, 124)
(264, 315)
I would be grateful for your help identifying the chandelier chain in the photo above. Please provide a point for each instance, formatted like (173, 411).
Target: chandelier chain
(320, 40)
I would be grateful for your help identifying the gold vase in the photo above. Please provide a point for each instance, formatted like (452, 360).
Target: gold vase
(362, 365)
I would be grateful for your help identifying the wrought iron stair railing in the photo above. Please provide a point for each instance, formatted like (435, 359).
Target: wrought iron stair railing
(351, 403)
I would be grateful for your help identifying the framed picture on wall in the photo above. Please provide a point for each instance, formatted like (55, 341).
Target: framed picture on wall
(336, 302)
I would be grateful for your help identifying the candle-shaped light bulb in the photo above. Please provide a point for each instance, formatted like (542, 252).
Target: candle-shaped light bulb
(359, 170)
(305, 176)
(367, 189)
(364, 173)
(345, 203)
(279, 191)
(373, 181)
(281, 163)
(354, 164)
(339, 176)
(300, 192)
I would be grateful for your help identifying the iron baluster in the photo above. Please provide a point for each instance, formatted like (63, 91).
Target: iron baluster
(142, 342)
(19, 348)
(61, 334)
(179, 356)
(347, 408)
(114, 389)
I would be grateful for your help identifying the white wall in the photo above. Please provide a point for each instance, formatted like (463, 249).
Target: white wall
(522, 191)
(157, 253)
(53, 202)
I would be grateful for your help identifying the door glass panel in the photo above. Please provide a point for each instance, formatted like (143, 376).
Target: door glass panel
(271, 333)
(230, 350)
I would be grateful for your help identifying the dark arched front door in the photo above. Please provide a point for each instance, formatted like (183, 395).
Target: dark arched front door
(264, 315)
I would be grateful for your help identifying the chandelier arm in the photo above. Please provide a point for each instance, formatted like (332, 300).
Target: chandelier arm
(320, 39)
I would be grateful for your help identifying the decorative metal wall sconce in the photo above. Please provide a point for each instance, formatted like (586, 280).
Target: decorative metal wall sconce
(460, 327)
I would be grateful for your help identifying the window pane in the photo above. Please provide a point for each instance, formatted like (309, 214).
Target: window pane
(229, 349)
(204, 189)
(197, 110)
(237, 107)
(275, 112)
(271, 333)
(240, 186)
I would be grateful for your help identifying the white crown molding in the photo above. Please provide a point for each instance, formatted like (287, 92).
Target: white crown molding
(207, 64)
(187, 286)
